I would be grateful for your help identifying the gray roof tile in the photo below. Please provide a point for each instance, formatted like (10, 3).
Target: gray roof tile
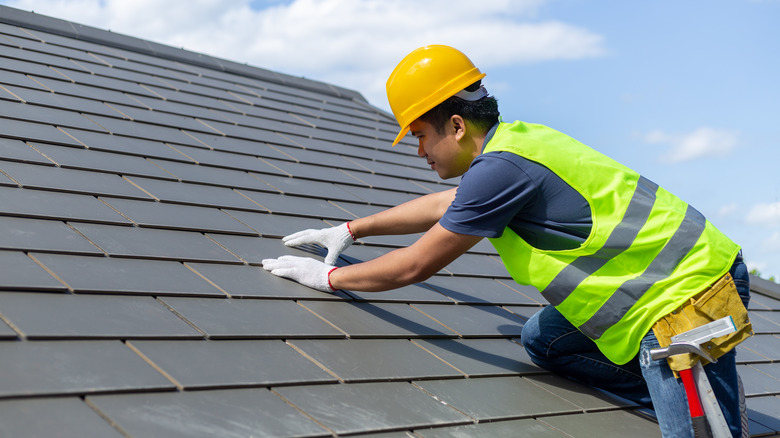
(37, 132)
(45, 115)
(14, 59)
(474, 321)
(765, 413)
(469, 290)
(478, 265)
(766, 322)
(36, 368)
(274, 225)
(15, 83)
(77, 181)
(65, 417)
(589, 399)
(253, 282)
(529, 291)
(155, 243)
(6, 332)
(174, 216)
(240, 146)
(51, 205)
(65, 316)
(358, 210)
(103, 141)
(231, 364)
(757, 382)
(415, 293)
(768, 346)
(178, 192)
(229, 160)
(223, 413)
(482, 357)
(22, 272)
(259, 319)
(204, 174)
(126, 276)
(254, 250)
(387, 198)
(379, 320)
(619, 424)
(355, 360)
(142, 130)
(526, 428)
(16, 150)
(496, 398)
(43, 235)
(385, 182)
(83, 159)
(298, 206)
(356, 408)
(761, 302)
(302, 187)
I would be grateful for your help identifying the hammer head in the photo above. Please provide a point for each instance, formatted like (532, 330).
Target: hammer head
(680, 347)
(690, 341)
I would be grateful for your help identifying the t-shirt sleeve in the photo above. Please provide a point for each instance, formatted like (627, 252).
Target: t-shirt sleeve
(489, 195)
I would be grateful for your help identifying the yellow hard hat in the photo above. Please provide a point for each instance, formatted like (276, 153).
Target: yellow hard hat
(425, 78)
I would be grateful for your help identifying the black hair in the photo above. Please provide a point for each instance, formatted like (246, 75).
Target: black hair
(483, 113)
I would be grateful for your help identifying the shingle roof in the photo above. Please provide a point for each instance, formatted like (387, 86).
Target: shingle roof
(141, 185)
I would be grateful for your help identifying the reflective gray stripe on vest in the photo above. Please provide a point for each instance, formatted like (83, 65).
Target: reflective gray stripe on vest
(681, 243)
(621, 238)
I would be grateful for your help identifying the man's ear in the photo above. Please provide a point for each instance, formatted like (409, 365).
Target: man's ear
(459, 126)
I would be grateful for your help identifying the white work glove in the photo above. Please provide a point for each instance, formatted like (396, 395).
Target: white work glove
(334, 239)
(306, 271)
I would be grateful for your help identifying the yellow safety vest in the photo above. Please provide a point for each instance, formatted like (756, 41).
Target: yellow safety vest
(647, 253)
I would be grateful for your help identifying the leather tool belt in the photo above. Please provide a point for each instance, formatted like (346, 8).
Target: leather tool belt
(718, 301)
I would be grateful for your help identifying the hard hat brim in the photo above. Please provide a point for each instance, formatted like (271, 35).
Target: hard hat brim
(401, 135)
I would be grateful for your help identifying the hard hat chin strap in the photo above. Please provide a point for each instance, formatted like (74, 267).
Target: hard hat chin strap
(472, 96)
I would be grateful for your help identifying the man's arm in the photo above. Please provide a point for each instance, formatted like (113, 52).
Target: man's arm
(437, 248)
(415, 216)
(404, 266)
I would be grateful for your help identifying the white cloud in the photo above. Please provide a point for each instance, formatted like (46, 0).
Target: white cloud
(763, 257)
(728, 209)
(703, 142)
(351, 43)
(764, 214)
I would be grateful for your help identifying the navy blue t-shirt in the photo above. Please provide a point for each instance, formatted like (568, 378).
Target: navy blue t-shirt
(503, 189)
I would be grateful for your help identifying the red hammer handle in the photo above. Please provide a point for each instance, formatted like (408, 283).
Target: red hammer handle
(694, 404)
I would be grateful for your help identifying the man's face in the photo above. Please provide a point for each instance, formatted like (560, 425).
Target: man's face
(442, 151)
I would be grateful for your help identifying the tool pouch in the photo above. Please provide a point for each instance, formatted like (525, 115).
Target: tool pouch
(718, 301)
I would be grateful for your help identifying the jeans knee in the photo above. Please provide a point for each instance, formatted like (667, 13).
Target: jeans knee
(530, 337)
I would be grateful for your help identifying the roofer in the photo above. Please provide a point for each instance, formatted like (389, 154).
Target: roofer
(617, 256)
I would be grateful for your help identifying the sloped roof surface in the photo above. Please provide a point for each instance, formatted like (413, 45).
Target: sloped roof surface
(141, 185)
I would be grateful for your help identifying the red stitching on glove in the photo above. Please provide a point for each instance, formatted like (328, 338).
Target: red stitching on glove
(350, 232)
(333, 289)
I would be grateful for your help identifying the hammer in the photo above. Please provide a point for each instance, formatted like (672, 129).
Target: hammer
(706, 415)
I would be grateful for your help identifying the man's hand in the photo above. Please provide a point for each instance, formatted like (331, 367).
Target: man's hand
(334, 239)
(306, 271)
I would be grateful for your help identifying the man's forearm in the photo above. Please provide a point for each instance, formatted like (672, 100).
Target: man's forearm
(415, 216)
(433, 251)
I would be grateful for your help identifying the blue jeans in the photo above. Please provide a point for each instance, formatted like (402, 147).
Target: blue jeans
(554, 344)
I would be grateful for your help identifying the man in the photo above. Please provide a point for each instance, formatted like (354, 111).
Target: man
(615, 254)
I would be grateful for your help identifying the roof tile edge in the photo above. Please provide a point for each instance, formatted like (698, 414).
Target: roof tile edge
(32, 20)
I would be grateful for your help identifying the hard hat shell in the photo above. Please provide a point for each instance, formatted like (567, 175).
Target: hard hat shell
(425, 78)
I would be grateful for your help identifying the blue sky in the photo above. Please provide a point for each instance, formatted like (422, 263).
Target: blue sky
(685, 92)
